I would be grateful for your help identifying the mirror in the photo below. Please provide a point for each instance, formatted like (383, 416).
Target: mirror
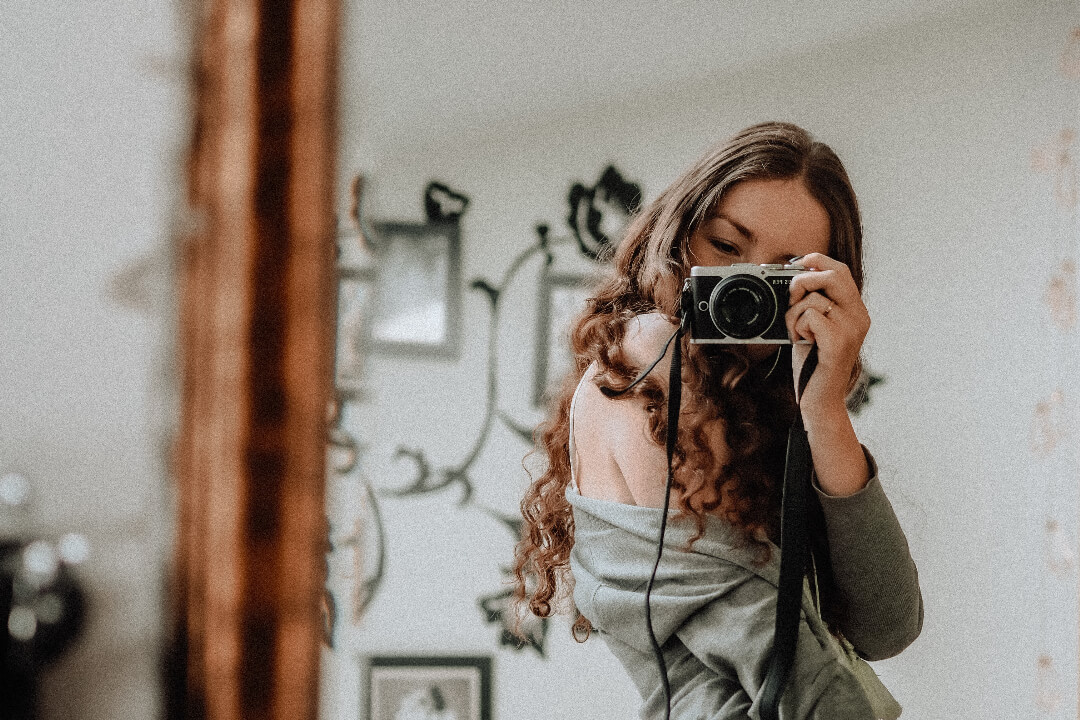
(957, 124)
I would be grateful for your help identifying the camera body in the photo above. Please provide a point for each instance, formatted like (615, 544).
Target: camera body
(739, 304)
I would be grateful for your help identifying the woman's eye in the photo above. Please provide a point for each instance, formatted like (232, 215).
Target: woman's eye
(725, 247)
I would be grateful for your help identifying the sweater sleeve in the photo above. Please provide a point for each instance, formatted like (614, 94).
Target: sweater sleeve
(875, 576)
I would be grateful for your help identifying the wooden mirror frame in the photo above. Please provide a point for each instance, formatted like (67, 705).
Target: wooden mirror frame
(256, 273)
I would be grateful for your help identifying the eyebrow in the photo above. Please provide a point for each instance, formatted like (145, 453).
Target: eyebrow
(743, 230)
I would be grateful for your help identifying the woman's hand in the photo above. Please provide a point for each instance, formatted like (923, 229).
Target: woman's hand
(827, 309)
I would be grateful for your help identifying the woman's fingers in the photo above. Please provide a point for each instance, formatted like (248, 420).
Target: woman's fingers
(850, 319)
(837, 284)
(828, 275)
(827, 309)
(819, 261)
(809, 324)
(812, 301)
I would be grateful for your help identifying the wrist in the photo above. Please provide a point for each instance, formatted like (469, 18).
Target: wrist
(824, 412)
(839, 461)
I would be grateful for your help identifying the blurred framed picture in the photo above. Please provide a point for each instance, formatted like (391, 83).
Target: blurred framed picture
(416, 302)
(562, 298)
(429, 688)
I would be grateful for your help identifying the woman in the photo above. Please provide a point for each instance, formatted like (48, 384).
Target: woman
(769, 194)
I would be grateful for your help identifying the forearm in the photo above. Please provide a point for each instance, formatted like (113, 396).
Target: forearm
(839, 462)
(871, 563)
(872, 567)
(873, 571)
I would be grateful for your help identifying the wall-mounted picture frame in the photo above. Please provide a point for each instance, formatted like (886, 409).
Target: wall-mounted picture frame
(562, 297)
(416, 305)
(428, 688)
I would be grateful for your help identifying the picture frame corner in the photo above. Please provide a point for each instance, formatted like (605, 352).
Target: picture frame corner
(458, 685)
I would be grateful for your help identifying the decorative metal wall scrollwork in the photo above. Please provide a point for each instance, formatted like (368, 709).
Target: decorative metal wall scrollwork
(428, 479)
(594, 210)
(441, 205)
(612, 197)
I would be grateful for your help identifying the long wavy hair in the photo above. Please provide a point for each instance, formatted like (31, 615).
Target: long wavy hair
(724, 392)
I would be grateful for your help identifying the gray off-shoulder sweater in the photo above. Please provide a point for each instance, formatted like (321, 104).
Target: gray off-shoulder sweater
(713, 609)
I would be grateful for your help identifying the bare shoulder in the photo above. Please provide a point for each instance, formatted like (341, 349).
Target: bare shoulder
(646, 335)
(617, 457)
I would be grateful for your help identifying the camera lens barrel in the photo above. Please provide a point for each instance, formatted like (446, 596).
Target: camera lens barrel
(743, 306)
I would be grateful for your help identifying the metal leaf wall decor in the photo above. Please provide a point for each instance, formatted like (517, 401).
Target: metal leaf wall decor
(859, 397)
(428, 479)
(610, 201)
(593, 210)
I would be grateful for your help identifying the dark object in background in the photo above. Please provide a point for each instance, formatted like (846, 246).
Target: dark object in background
(441, 204)
(42, 608)
(597, 212)
(859, 397)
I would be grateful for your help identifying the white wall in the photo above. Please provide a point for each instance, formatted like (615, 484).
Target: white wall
(91, 118)
(937, 122)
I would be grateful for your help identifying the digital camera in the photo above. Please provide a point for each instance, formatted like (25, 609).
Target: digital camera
(741, 303)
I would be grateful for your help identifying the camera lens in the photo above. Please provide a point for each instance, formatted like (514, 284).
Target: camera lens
(742, 306)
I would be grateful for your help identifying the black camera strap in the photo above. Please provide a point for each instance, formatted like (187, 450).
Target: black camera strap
(674, 401)
(794, 553)
(794, 545)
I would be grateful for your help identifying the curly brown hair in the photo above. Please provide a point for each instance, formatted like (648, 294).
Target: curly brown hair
(722, 388)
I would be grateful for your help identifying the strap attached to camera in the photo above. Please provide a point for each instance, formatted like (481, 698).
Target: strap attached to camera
(794, 552)
(794, 521)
